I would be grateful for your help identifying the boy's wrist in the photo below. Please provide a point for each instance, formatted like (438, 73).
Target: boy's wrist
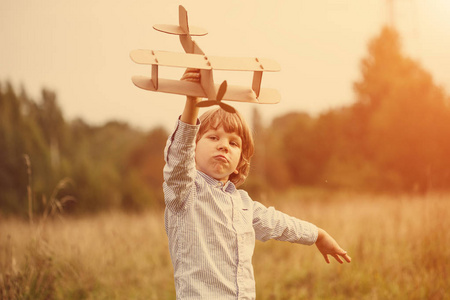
(320, 234)
(190, 112)
(193, 99)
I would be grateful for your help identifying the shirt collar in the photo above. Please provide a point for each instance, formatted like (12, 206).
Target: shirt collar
(228, 187)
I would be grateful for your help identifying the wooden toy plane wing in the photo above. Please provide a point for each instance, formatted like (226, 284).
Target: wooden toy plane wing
(183, 28)
(177, 30)
(203, 62)
(233, 92)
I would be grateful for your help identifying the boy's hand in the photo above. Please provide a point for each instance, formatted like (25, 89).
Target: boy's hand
(191, 75)
(328, 246)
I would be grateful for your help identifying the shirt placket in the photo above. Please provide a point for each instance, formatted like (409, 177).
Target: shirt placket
(237, 224)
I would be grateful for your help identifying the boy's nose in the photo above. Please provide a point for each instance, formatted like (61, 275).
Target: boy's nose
(222, 147)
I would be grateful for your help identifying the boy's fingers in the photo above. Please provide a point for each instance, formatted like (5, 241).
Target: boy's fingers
(347, 258)
(338, 258)
(188, 75)
(344, 254)
(188, 70)
(191, 71)
(191, 77)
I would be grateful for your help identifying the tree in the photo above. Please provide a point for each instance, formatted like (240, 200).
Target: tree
(144, 167)
(406, 118)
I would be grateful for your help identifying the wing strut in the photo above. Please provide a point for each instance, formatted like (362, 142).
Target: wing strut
(256, 85)
(155, 76)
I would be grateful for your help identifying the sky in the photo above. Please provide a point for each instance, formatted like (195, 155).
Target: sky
(80, 49)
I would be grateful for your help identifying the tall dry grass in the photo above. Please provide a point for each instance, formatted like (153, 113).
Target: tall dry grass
(399, 245)
(400, 248)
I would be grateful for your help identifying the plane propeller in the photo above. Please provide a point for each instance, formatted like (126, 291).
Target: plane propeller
(218, 101)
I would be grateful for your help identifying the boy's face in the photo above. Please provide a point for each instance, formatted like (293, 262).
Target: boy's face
(218, 153)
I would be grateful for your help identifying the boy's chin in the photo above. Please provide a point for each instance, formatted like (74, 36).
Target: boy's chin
(218, 173)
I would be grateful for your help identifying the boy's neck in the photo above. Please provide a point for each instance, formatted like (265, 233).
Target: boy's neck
(214, 182)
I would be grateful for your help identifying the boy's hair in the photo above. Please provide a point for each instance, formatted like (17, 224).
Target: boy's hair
(232, 123)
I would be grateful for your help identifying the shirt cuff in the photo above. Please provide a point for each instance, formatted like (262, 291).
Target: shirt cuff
(310, 235)
(315, 233)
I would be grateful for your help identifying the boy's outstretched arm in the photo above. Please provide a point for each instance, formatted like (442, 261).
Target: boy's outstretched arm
(190, 112)
(328, 246)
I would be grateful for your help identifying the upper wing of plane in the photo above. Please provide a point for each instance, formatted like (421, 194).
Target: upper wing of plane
(203, 62)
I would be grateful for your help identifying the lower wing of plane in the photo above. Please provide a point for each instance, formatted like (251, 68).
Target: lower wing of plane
(233, 92)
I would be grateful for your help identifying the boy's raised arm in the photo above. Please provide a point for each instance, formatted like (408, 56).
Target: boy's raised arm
(190, 112)
(179, 154)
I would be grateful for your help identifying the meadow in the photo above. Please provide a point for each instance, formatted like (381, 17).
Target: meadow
(400, 246)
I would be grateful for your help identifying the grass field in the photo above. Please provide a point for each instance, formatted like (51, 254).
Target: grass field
(400, 248)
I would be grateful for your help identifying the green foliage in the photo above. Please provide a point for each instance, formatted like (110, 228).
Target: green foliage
(146, 163)
(97, 159)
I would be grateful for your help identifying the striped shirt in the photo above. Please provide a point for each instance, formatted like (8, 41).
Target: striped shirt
(212, 227)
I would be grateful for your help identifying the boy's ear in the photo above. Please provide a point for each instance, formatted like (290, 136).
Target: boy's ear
(236, 172)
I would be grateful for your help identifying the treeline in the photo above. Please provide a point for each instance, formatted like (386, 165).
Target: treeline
(394, 138)
(84, 168)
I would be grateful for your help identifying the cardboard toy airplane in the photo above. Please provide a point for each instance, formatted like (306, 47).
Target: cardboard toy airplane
(195, 58)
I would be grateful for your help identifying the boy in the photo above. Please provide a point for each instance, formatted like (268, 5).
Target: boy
(211, 225)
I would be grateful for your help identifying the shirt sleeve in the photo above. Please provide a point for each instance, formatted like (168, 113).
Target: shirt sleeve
(179, 170)
(270, 223)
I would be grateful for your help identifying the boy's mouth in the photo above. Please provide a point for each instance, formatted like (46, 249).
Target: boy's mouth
(221, 158)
